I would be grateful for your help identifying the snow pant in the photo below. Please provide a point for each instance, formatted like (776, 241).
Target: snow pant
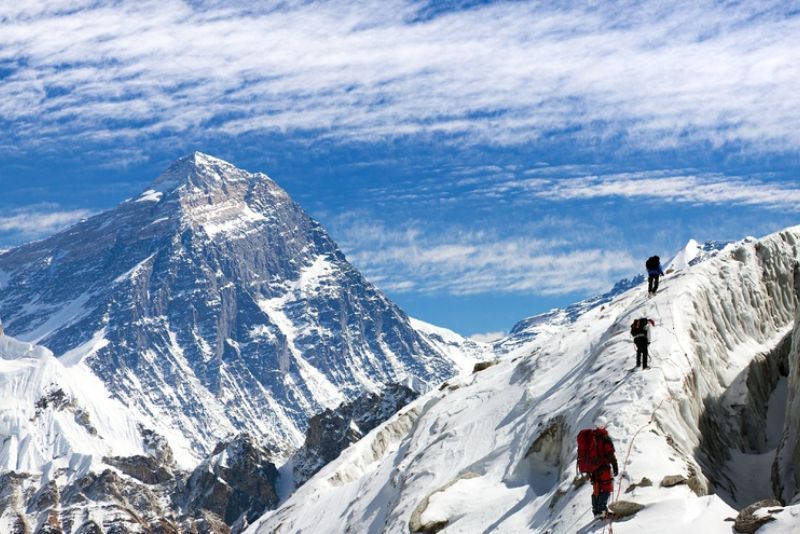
(602, 486)
(652, 283)
(641, 351)
(600, 502)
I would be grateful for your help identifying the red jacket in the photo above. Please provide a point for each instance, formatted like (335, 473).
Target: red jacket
(603, 479)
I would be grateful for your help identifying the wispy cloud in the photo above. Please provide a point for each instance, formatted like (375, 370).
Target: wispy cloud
(459, 262)
(39, 220)
(653, 74)
(664, 186)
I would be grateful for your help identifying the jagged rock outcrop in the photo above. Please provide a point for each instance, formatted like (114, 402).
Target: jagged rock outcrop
(331, 431)
(229, 489)
(237, 483)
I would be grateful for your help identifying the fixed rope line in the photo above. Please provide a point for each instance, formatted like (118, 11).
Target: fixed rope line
(628, 454)
(671, 330)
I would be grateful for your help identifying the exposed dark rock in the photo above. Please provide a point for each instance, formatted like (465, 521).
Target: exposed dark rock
(747, 522)
(644, 483)
(695, 483)
(238, 481)
(144, 468)
(90, 527)
(482, 366)
(624, 509)
(332, 431)
(673, 480)
(55, 399)
(431, 528)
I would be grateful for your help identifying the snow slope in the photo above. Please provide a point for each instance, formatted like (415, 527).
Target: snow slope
(50, 413)
(495, 451)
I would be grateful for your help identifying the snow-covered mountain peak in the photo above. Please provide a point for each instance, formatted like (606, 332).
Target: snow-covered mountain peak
(211, 196)
(218, 304)
(199, 171)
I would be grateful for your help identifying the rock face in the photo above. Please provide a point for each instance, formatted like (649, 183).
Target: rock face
(748, 521)
(213, 304)
(236, 484)
(331, 431)
(146, 494)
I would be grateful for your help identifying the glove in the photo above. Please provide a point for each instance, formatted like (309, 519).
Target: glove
(616, 472)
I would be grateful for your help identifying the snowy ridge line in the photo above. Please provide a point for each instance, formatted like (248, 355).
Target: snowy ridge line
(513, 425)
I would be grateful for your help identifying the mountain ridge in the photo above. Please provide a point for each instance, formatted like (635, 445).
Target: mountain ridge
(495, 451)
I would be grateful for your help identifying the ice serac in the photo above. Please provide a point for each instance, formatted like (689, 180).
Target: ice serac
(211, 304)
(696, 434)
(786, 470)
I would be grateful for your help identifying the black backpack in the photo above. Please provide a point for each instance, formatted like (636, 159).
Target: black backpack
(637, 327)
(652, 262)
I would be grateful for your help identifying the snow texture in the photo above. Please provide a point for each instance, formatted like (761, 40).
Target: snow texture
(495, 451)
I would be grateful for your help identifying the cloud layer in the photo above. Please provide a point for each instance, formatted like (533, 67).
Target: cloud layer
(469, 263)
(33, 222)
(660, 186)
(647, 75)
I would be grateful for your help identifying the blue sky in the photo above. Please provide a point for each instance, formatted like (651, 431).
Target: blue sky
(479, 161)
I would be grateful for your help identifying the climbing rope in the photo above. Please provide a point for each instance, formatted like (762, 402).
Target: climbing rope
(628, 455)
(671, 328)
(608, 527)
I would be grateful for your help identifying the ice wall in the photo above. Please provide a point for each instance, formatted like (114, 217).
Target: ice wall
(786, 469)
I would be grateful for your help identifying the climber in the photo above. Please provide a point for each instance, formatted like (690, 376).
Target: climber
(597, 459)
(640, 330)
(654, 270)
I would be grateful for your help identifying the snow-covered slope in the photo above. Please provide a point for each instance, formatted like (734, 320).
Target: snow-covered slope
(54, 415)
(495, 451)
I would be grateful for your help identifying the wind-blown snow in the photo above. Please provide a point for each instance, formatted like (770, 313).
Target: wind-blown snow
(150, 196)
(495, 451)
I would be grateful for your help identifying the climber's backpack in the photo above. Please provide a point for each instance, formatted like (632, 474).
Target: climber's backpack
(638, 327)
(590, 450)
(652, 263)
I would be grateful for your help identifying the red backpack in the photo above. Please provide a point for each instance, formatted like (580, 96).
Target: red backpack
(591, 453)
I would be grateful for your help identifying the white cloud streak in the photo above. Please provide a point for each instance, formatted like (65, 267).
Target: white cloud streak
(40, 220)
(662, 186)
(658, 73)
(468, 263)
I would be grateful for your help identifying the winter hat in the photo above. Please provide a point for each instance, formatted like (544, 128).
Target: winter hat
(601, 421)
